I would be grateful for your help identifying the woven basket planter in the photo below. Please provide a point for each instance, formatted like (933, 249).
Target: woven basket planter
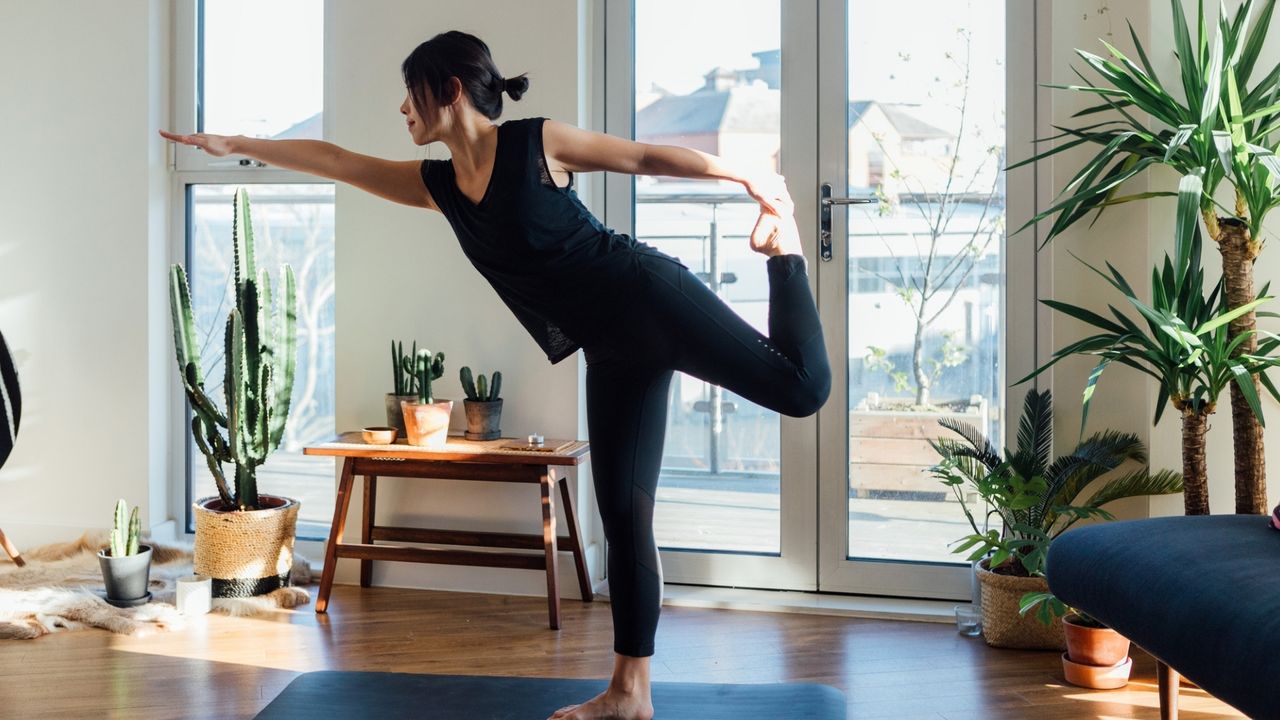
(1003, 626)
(247, 553)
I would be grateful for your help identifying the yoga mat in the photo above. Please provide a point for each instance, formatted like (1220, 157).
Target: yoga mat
(336, 694)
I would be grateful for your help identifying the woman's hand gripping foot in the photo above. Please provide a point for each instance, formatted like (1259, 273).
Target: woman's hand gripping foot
(775, 232)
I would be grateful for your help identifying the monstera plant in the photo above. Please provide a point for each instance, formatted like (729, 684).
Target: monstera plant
(244, 540)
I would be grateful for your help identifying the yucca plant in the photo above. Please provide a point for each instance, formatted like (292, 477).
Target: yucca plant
(259, 357)
(1225, 127)
(1180, 339)
(1035, 496)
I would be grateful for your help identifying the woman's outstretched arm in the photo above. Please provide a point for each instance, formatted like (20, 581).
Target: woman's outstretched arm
(396, 180)
(581, 150)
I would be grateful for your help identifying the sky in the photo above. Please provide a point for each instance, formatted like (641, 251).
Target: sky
(264, 60)
(893, 55)
(264, 64)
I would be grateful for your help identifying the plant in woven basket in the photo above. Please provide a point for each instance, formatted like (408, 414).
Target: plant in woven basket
(244, 539)
(1210, 118)
(1032, 496)
(260, 344)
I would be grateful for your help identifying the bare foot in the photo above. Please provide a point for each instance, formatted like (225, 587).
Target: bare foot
(776, 235)
(609, 705)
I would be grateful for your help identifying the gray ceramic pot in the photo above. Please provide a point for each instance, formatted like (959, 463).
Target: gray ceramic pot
(483, 419)
(126, 577)
(395, 416)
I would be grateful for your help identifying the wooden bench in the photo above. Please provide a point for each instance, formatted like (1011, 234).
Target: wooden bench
(500, 460)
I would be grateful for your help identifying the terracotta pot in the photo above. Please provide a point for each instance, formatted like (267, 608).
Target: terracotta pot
(1002, 625)
(246, 552)
(427, 424)
(1097, 677)
(1094, 646)
(483, 419)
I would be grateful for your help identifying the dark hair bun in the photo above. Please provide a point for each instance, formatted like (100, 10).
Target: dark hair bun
(516, 86)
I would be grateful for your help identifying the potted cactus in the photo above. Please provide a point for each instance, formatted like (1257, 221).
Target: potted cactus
(482, 405)
(244, 540)
(426, 420)
(406, 384)
(126, 564)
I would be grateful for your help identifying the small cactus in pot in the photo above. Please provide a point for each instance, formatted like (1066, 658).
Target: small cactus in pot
(483, 406)
(125, 563)
(405, 378)
(426, 419)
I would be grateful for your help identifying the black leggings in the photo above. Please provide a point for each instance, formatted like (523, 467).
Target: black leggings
(675, 322)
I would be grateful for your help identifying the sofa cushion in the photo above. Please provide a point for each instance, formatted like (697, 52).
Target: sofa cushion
(1201, 593)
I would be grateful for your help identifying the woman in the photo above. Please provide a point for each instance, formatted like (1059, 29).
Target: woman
(638, 314)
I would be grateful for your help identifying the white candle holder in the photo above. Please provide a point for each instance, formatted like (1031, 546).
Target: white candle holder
(195, 594)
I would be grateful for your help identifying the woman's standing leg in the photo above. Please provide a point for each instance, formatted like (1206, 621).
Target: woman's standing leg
(627, 399)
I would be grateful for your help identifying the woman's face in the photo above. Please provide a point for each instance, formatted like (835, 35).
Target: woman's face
(426, 130)
(417, 128)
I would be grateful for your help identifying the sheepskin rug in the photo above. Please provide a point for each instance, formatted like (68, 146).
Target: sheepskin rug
(60, 589)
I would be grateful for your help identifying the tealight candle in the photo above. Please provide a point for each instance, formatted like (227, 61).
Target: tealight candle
(195, 594)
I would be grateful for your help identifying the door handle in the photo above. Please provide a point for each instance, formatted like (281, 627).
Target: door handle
(825, 201)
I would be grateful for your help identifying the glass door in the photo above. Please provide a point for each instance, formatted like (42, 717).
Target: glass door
(901, 105)
(736, 78)
(912, 136)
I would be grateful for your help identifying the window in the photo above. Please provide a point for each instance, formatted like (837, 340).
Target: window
(256, 69)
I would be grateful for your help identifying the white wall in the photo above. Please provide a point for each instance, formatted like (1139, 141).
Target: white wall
(401, 274)
(82, 253)
(1121, 238)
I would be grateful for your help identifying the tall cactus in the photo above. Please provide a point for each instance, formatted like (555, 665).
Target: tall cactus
(260, 357)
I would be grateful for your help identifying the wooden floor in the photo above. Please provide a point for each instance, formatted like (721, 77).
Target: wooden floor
(224, 667)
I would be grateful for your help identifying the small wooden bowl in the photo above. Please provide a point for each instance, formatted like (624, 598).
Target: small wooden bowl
(380, 435)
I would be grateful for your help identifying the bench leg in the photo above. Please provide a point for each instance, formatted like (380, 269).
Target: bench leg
(575, 537)
(547, 483)
(340, 506)
(366, 532)
(11, 551)
(1167, 678)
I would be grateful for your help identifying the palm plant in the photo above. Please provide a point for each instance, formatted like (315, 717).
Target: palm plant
(1183, 342)
(1225, 129)
(1035, 496)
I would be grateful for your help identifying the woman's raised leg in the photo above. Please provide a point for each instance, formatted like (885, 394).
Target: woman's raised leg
(786, 371)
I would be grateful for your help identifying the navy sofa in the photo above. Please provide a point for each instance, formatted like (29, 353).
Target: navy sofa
(1200, 593)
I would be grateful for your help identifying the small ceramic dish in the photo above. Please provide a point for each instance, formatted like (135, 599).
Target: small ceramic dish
(380, 435)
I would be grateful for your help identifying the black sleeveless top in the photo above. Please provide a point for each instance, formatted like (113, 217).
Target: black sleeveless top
(550, 260)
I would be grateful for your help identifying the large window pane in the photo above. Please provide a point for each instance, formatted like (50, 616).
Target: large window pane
(262, 68)
(719, 93)
(292, 224)
(926, 137)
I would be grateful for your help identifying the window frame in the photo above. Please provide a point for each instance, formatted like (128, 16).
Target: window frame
(189, 166)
